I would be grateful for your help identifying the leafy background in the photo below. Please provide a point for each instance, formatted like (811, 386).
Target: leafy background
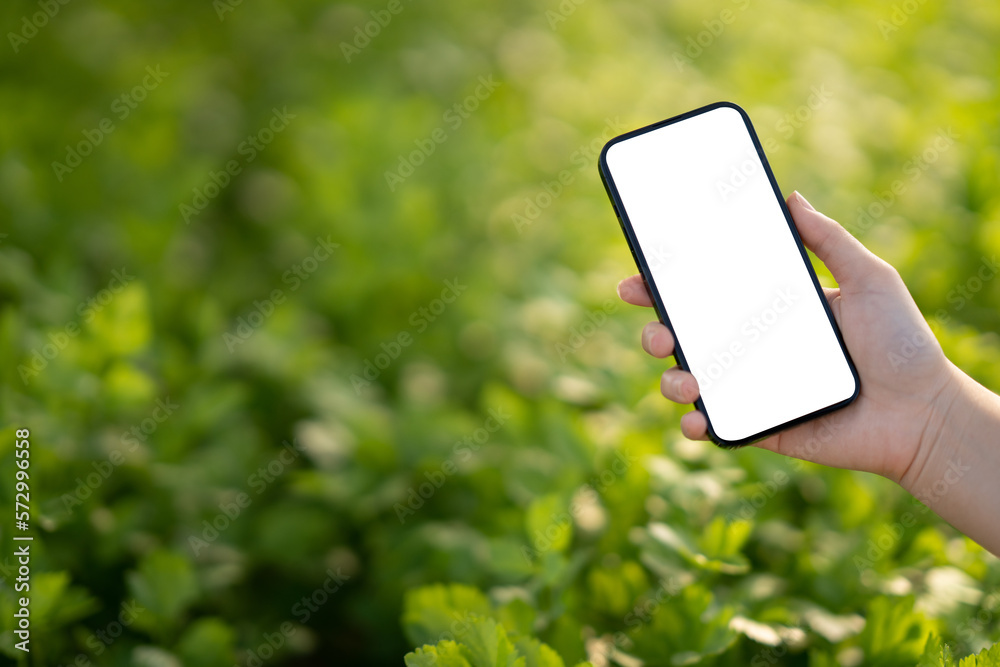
(585, 521)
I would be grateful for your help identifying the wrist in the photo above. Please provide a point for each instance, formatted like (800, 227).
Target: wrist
(947, 416)
(954, 472)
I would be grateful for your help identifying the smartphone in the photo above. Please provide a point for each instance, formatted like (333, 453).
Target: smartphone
(727, 273)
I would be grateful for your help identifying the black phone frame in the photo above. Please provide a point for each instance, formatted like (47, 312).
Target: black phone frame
(661, 311)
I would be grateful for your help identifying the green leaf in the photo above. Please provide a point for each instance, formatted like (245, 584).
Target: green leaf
(482, 642)
(47, 589)
(207, 642)
(164, 585)
(549, 524)
(485, 642)
(444, 654)
(517, 616)
(153, 656)
(537, 654)
(894, 633)
(723, 539)
(614, 589)
(685, 628)
(936, 654)
(433, 613)
(988, 657)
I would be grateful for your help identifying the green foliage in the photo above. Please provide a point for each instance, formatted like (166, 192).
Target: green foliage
(430, 612)
(458, 626)
(988, 657)
(163, 585)
(938, 654)
(316, 418)
(894, 634)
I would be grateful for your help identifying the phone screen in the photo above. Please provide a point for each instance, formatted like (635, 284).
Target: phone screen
(711, 234)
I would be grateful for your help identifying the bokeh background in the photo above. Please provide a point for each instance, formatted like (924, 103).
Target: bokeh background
(354, 395)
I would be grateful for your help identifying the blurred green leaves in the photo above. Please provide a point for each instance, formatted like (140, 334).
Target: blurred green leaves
(687, 555)
(457, 625)
(163, 585)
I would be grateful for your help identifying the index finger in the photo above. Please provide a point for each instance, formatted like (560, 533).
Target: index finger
(633, 290)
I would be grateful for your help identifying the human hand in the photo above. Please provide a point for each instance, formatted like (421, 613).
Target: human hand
(907, 384)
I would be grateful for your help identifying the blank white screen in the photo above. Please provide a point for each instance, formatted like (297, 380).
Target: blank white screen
(737, 293)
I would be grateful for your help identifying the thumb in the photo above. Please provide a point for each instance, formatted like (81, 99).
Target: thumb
(845, 256)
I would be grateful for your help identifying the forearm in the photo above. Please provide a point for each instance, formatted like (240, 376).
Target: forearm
(957, 472)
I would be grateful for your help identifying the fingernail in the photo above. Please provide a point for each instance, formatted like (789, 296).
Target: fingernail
(804, 201)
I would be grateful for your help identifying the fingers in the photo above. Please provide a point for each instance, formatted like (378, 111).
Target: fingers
(676, 385)
(633, 290)
(694, 426)
(679, 386)
(845, 256)
(657, 340)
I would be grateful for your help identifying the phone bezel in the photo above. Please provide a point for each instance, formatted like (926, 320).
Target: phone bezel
(661, 311)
